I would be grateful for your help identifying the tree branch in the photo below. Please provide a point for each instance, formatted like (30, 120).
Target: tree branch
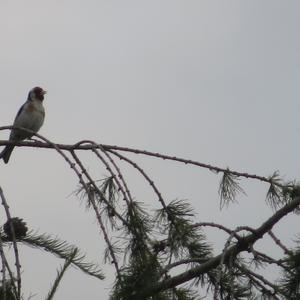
(82, 146)
(231, 252)
(18, 265)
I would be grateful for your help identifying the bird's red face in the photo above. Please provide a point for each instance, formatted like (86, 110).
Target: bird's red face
(38, 93)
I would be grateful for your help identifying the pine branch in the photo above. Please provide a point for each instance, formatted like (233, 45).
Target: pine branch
(108, 190)
(62, 250)
(82, 146)
(144, 174)
(274, 193)
(14, 242)
(60, 274)
(3, 261)
(126, 193)
(182, 242)
(231, 252)
(279, 243)
(262, 257)
(119, 179)
(229, 188)
(290, 279)
(96, 189)
(261, 278)
(8, 285)
(219, 226)
(266, 294)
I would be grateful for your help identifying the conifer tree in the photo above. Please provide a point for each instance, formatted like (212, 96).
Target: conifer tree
(164, 253)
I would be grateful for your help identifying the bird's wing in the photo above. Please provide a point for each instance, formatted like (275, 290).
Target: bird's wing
(19, 112)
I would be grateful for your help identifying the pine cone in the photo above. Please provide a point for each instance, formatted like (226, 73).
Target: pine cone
(19, 226)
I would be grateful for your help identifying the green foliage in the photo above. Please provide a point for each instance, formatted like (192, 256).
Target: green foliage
(228, 284)
(184, 239)
(138, 279)
(147, 256)
(8, 291)
(274, 194)
(105, 194)
(229, 188)
(59, 248)
(138, 230)
(290, 281)
(280, 193)
(138, 276)
(103, 189)
(155, 247)
(184, 294)
(116, 248)
(155, 253)
(62, 250)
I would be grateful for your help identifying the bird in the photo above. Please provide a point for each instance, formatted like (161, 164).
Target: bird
(30, 116)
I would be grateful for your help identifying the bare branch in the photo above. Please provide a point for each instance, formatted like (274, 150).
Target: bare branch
(279, 243)
(81, 146)
(248, 272)
(148, 179)
(18, 265)
(3, 261)
(221, 227)
(268, 259)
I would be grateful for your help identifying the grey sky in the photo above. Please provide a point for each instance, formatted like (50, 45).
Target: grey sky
(214, 81)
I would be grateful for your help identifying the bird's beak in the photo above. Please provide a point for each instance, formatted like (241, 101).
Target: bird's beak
(44, 92)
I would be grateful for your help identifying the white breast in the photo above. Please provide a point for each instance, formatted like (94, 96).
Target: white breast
(31, 117)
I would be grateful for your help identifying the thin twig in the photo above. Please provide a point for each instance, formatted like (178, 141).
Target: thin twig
(18, 265)
(3, 260)
(148, 179)
(11, 276)
(120, 176)
(268, 259)
(264, 290)
(72, 165)
(126, 192)
(279, 243)
(182, 262)
(219, 226)
(98, 216)
(248, 272)
(92, 182)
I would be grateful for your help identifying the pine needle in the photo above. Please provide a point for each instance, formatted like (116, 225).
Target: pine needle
(229, 188)
(63, 250)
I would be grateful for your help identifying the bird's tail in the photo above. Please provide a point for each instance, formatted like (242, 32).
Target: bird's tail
(5, 154)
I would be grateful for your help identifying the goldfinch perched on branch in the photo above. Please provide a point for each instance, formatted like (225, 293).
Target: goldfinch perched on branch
(30, 116)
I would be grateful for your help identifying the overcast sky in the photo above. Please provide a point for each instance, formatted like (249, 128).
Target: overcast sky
(213, 81)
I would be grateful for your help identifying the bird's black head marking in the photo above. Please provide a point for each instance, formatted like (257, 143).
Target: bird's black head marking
(37, 93)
